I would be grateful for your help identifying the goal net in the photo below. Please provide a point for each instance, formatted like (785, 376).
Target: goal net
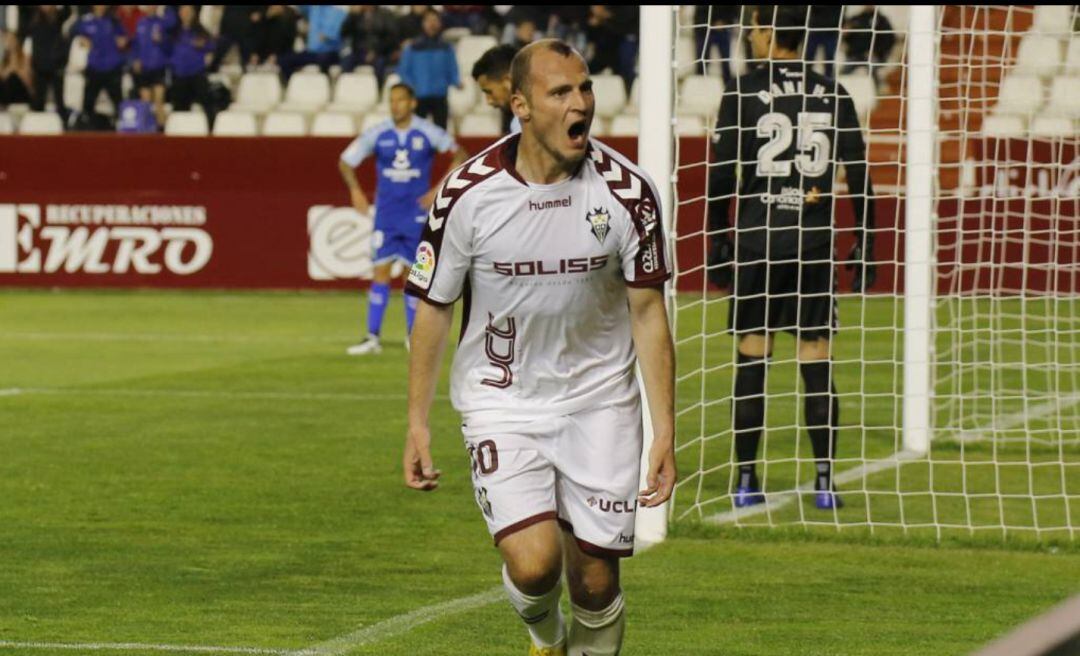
(958, 371)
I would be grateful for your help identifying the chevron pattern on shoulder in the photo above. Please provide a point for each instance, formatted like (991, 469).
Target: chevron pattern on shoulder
(626, 185)
(461, 179)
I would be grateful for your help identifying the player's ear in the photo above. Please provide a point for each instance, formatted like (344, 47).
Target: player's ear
(520, 106)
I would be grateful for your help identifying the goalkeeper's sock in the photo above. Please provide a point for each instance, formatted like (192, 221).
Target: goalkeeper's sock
(411, 303)
(540, 613)
(597, 632)
(378, 297)
(822, 418)
(749, 415)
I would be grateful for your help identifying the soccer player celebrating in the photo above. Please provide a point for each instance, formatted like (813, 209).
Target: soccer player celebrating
(404, 147)
(553, 241)
(785, 125)
(492, 75)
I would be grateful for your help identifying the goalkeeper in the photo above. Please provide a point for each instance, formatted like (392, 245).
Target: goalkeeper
(780, 131)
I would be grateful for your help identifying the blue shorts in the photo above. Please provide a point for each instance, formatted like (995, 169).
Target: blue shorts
(397, 234)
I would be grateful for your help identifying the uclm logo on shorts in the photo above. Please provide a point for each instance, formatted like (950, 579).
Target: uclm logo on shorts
(103, 239)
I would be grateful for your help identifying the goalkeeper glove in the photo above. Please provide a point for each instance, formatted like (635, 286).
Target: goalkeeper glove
(721, 256)
(861, 264)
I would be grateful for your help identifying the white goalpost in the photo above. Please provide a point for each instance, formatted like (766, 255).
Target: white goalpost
(958, 372)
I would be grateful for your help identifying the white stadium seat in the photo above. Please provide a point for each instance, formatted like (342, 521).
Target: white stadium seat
(258, 92)
(1064, 97)
(635, 96)
(41, 123)
(373, 119)
(1072, 57)
(78, 55)
(480, 125)
(1020, 94)
(235, 124)
(1053, 20)
(700, 94)
(1038, 55)
(74, 87)
(1052, 126)
(7, 123)
(610, 92)
(384, 95)
(471, 48)
(284, 124)
(462, 101)
(690, 125)
(187, 124)
(331, 124)
(307, 92)
(862, 90)
(1003, 125)
(624, 125)
(355, 93)
(687, 56)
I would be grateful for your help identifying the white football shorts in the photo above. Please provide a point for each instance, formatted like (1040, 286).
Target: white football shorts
(581, 469)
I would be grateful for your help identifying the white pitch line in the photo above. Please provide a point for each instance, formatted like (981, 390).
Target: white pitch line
(1019, 418)
(209, 394)
(136, 646)
(401, 624)
(12, 391)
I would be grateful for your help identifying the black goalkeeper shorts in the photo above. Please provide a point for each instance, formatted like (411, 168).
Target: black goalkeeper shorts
(795, 296)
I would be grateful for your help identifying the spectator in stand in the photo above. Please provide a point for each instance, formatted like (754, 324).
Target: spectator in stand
(105, 65)
(524, 34)
(476, 18)
(150, 52)
(16, 79)
(323, 25)
(492, 75)
(430, 66)
(49, 56)
(191, 50)
(411, 25)
(136, 116)
(824, 34)
(715, 25)
(518, 15)
(238, 28)
(275, 34)
(372, 34)
(612, 29)
(129, 16)
(868, 42)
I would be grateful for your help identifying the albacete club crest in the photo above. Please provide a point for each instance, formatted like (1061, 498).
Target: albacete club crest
(598, 222)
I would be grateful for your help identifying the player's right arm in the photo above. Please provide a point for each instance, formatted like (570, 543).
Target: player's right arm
(357, 151)
(427, 343)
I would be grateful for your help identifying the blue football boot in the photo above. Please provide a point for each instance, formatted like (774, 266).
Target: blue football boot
(748, 495)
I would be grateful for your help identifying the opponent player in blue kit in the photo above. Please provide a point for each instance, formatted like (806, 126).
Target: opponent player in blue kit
(404, 147)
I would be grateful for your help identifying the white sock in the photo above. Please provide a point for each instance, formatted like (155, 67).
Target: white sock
(597, 632)
(541, 614)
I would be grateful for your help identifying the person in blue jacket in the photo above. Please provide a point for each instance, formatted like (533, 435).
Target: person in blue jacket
(150, 51)
(105, 36)
(322, 44)
(191, 48)
(430, 66)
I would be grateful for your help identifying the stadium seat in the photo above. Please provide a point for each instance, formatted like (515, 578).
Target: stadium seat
(471, 48)
(480, 125)
(462, 101)
(1038, 55)
(1064, 97)
(1055, 20)
(331, 124)
(1052, 126)
(384, 96)
(258, 92)
(1072, 57)
(1003, 125)
(373, 119)
(74, 88)
(687, 56)
(78, 54)
(284, 124)
(354, 93)
(863, 92)
(235, 123)
(610, 94)
(187, 124)
(41, 123)
(624, 125)
(601, 127)
(700, 94)
(307, 92)
(690, 125)
(7, 123)
(633, 106)
(1020, 94)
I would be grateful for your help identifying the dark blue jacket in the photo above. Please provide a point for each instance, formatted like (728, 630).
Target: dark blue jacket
(105, 55)
(430, 67)
(152, 44)
(189, 52)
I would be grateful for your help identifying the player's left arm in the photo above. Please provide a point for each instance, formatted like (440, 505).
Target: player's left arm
(656, 356)
(851, 149)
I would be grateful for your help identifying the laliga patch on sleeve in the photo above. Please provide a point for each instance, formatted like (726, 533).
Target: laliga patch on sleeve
(424, 267)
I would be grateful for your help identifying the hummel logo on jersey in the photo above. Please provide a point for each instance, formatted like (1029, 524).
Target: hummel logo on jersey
(598, 222)
(550, 204)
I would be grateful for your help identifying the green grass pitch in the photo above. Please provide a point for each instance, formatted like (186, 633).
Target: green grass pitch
(210, 469)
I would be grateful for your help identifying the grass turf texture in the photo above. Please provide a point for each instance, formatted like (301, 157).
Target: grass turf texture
(211, 469)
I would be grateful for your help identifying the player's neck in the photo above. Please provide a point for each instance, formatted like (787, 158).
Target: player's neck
(536, 165)
(402, 125)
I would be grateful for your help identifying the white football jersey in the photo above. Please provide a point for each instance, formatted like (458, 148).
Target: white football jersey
(542, 271)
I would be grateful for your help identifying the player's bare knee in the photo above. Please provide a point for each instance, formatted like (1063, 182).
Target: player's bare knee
(813, 350)
(593, 582)
(535, 576)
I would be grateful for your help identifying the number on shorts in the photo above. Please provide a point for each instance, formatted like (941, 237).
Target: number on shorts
(485, 457)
